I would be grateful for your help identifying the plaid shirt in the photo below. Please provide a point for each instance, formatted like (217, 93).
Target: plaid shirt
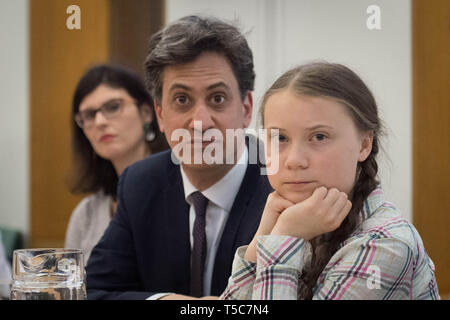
(384, 258)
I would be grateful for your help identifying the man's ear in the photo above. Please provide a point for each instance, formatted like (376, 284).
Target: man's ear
(366, 146)
(248, 109)
(159, 116)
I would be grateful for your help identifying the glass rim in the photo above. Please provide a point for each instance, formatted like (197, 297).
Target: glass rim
(49, 250)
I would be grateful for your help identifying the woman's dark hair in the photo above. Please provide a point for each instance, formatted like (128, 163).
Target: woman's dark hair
(92, 173)
(337, 82)
(185, 39)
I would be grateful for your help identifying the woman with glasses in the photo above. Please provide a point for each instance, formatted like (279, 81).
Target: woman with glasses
(113, 126)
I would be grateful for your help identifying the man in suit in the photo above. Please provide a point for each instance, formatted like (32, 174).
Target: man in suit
(162, 242)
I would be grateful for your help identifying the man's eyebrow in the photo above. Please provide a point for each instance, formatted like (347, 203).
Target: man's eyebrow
(210, 87)
(218, 84)
(179, 86)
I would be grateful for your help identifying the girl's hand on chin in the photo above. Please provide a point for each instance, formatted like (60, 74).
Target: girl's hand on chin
(275, 205)
(321, 213)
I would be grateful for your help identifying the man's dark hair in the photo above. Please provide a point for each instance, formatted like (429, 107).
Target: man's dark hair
(185, 39)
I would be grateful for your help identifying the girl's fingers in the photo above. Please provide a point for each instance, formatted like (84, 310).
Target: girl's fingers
(345, 210)
(340, 202)
(279, 203)
(279, 196)
(336, 213)
(331, 197)
(319, 194)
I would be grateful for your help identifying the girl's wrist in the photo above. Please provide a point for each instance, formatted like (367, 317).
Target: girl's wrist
(278, 230)
(250, 253)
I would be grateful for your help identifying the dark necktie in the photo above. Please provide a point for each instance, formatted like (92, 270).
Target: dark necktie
(199, 250)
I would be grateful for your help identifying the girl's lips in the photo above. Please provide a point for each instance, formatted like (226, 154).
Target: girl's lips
(298, 182)
(299, 185)
(106, 138)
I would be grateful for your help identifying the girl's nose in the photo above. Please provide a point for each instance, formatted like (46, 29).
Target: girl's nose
(297, 157)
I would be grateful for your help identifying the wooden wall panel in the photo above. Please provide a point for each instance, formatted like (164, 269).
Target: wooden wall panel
(58, 57)
(128, 41)
(110, 31)
(431, 131)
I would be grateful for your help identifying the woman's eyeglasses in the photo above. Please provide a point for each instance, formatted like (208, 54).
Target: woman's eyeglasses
(110, 109)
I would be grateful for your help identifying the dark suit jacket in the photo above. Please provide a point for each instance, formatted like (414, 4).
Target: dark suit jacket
(146, 247)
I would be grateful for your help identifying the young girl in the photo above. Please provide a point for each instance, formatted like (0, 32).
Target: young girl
(327, 231)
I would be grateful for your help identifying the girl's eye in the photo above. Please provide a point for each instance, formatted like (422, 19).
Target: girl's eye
(278, 136)
(319, 137)
(282, 138)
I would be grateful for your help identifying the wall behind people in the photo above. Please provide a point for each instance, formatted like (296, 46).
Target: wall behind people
(114, 31)
(42, 59)
(14, 182)
(289, 32)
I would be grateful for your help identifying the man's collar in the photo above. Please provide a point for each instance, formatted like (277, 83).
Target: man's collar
(223, 192)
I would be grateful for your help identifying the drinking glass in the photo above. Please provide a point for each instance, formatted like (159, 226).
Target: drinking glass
(48, 274)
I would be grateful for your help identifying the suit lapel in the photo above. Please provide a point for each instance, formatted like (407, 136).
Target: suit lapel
(177, 224)
(244, 217)
(239, 229)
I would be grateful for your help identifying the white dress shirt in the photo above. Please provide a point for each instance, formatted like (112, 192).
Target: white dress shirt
(221, 198)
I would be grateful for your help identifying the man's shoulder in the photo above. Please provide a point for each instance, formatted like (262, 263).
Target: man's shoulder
(154, 164)
(156, 168)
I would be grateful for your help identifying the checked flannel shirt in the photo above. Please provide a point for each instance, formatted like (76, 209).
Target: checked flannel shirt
(384, 258)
